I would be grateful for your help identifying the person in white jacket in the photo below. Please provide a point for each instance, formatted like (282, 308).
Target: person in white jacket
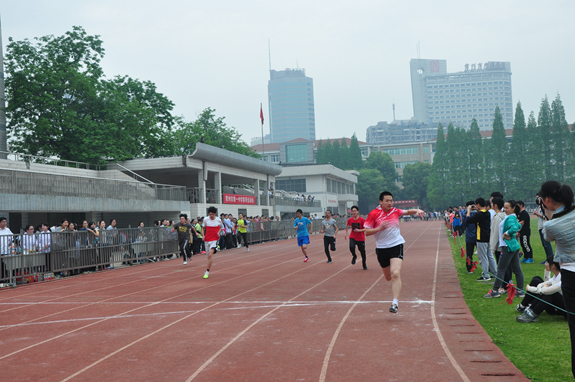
(543, 295)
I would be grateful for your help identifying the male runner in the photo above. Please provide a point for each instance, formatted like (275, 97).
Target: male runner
(330, 229)
(356, 238)
(383, 222)
(184, 236)
(212, 226)
(242, 231)
(301, 225)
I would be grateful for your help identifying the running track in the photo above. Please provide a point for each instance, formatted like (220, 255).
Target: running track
(263, 315)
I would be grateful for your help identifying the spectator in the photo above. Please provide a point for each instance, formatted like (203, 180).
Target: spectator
(457, 224)
(482, 221)
(541, 219)
(470, 236)
(525, 233)
(496, 220)
(112, 224)
(557, 201)
(543, 295)
(508, 229)
(29, 240)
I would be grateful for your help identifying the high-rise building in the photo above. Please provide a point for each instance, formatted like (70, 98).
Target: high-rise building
(459, 97)
(292, 114)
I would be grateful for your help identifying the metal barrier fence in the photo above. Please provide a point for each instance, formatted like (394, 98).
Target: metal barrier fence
(40, 256)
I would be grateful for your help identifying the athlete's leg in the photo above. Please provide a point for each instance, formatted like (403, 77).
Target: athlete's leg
(394, 270)
(361, 247)
(210, 257)
(326, 242)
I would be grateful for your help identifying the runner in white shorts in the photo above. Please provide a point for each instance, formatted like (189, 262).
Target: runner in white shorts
(212, 226)
(383, 222)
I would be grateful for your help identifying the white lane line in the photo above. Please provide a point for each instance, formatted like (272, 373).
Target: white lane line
(434, 318)
(336, 334)
(416, 301)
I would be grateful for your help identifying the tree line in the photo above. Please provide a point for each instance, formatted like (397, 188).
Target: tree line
(466, 166)
(60, 104)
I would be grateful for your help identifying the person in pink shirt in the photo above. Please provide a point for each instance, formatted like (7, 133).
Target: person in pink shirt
(383, 222)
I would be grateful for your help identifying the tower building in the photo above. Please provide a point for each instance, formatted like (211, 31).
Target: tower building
(439, 96)
(291, 105)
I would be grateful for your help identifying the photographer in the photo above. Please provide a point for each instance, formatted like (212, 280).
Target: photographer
(541, 219)
(558, 206)
(525, 233)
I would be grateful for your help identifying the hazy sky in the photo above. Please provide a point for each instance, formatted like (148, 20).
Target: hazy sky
(215, 53)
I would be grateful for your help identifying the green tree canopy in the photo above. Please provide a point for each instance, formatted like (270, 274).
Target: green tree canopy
(59, 104)
(354, 158)
(416, 181)
(383, 163)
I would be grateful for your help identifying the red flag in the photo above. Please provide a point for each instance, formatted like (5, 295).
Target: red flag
(473, 267)
(510, 293)
(261, 114)
(462, 252)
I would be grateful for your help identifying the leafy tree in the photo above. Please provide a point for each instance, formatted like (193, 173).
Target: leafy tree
(476, 169)
(534, 158)
(354, 157)
(544, 122)
(60, 105)
(383, 163)
(416, 181)
(214, 131)
(437, 188)
(370, 183)
(324, 152)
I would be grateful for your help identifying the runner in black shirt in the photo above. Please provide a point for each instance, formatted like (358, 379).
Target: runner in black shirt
(184, 236)
(525, 234)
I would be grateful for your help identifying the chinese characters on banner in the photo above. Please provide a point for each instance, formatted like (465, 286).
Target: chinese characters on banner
(239, 199)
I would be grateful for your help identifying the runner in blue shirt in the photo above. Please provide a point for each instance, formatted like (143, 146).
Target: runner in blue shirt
(301, 225)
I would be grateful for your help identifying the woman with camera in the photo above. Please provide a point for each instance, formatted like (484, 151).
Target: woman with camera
(557, 201)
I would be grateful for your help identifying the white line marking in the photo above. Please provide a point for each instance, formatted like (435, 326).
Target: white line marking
(434, 319)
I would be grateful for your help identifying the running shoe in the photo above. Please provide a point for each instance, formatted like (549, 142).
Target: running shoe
(329, 261)
(247, 249)
(353, 260)
(529, 261)
(306, 259)
(185, 262)
(520, 294)
(492, 294)
(484, 279)
(203, 252)
(520, 308)
(365, 267)
(206, 275)
(393, 308)
(527, 316)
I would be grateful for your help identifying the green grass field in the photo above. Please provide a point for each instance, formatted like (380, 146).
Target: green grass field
(540, 350)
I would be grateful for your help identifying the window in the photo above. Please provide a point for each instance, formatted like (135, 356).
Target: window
(295, 185)
(296, 153)
(425, 149)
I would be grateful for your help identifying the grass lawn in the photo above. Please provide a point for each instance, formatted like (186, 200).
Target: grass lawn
(540, 350)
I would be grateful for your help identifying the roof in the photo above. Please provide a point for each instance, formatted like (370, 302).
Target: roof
(276, 146)
(318, 169)
(214, 154)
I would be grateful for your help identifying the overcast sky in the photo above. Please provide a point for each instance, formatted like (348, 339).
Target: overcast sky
(215, 53)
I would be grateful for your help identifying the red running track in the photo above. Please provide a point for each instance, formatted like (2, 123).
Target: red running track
(263, 315)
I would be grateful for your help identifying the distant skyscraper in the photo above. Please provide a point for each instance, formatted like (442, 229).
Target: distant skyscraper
(292, 114)
(459, 97)
(402, 131)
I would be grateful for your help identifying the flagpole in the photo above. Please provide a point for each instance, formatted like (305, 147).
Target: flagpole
(263, 142)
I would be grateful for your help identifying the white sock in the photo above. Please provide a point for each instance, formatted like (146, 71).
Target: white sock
(395, 302)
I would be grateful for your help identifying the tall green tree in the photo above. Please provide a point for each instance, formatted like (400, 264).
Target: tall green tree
(476, 169)
(370, 183)
(561, 141)
(59, 104)
(544, 122)
(354, 158)
(336, 154)
(324, 152)
(518, 157)
(534, 157)
(416, 181)
(498, 155)
(344, 156)
(437, 188)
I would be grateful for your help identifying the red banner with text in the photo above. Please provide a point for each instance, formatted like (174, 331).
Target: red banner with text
(239, 199)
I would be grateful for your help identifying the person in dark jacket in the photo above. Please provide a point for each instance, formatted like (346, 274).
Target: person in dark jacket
(482, 221)
(470, 235)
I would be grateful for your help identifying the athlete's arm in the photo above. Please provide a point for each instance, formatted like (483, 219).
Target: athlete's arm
(336, 229)
(373, 231)
(415, 212)
(346, 228)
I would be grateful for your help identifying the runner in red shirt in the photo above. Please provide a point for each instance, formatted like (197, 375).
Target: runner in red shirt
(212, 226)
(383, 222)
(356, 238)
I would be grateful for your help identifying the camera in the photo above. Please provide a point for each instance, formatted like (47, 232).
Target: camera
(539, 201)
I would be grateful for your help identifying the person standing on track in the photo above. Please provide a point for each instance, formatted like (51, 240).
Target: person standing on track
(184, 236)
(302, 225)
(383, 222)
(212, 226)
(356, 239)
(330, 229)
